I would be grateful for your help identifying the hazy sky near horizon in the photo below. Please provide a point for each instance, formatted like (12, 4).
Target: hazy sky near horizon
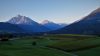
(60, 11)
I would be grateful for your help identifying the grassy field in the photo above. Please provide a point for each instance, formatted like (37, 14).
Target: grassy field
(52, 45)
(89, 52)
(81, 45)
(76, 45)
(24, 47)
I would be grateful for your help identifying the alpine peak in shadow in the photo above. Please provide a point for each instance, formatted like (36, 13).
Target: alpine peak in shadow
(87, 25)
(9, 28)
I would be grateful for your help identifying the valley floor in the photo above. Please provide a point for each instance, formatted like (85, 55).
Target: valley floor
(52, 45)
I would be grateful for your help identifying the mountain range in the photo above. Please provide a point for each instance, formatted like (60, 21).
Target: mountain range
(52, 25)
(87, 25)
(90, 24)
(27, 24)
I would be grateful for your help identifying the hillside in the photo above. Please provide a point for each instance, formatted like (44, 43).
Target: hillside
(88, 25)
(7, 27)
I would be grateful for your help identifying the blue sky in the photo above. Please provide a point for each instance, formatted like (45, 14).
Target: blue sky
(60, 11)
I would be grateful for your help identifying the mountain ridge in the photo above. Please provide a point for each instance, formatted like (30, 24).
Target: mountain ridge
(87, 25)
(27, 24)
(51, 25)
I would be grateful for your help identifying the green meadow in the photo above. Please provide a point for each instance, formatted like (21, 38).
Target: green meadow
(52, 45)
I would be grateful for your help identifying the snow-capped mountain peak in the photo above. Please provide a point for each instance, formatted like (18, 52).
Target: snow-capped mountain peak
(27, 24)
(21, 20)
